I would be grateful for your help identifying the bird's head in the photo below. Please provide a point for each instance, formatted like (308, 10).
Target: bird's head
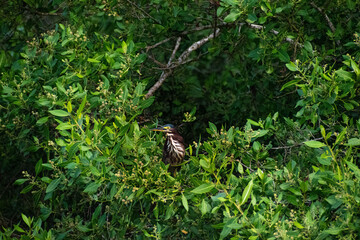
(168, 128)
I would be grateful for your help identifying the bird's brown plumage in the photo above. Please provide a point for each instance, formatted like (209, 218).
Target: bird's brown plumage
(174, 147)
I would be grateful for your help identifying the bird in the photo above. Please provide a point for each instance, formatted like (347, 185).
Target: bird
(174, 147)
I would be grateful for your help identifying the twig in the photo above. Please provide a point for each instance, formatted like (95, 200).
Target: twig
(259, 27)
(180, 60)
(296, 144)
(177, 45)
(165, 73)
(143, 11)
(159, 43)
(205, 27)
(196, 45)
(163, 66)
(200, 28)
(47, 13)
(252, 170)
(176, 65)
(331, 25)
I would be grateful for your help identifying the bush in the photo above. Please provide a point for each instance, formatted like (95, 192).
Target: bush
(77, 119)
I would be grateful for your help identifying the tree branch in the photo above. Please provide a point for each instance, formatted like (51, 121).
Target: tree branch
(179, 61)
(165, 73)
(196, 45)
(296, 144)
(159, 43)
(143, 11)
(331, 25)
(157, 62)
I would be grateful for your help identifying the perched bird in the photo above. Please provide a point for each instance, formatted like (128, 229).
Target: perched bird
(174, 148)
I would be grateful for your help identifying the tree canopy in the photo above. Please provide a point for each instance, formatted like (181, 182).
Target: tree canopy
(264, 92)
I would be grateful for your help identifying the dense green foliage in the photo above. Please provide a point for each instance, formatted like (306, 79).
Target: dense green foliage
(75, 120)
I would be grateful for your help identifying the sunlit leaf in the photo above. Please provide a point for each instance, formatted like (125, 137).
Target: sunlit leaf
(314, 144)
(59, 113)
(246, 193)
(204, 188)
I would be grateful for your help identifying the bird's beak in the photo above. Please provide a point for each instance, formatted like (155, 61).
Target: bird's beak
(158, 129)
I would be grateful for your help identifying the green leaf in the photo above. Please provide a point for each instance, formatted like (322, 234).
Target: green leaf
(251, 18)
(288, 84)
(42, 120)
(256, 146)
(247, 192)
(213, 128)
(205, 163)
(53, 185)
(169, 212)
(354, 168)
(308, 47)
(325, 159)
(73, 149)
(234, 225)
(79, 75)
(344, 74)
(69, 107)
(109, 130)
(323, 133)
(314, 144)
(38, 167)
(124, 46)
(298, 225)
(92, 187)
(93, 60)
(333, 231)
(59, 113)
(147, 103)
(204, 207)
(94, 171)
(283, 56)
(204, 188)
(26, 220)
(20, 181)
(240, 168)
(353, 142)
(355, 67)
(348, 106)
(64, 126)
(231, 17)
(19, 229)
(81, 107)
(27, 189)
(185, 202)
(291, 66)
(341, 136)
(252, 122)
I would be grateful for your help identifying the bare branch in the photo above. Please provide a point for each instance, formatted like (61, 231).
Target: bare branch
(143, 11)
(157, 44)
(175, 65)
(259, 27)
(200, 28)
(331, 25)
(157, 62)
(177, 45)
(196, 45)
(179, 61)
(197, 29)
(165, 73)
(295, 145)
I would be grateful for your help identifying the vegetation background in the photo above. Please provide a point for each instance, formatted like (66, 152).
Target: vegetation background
(266, 94)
